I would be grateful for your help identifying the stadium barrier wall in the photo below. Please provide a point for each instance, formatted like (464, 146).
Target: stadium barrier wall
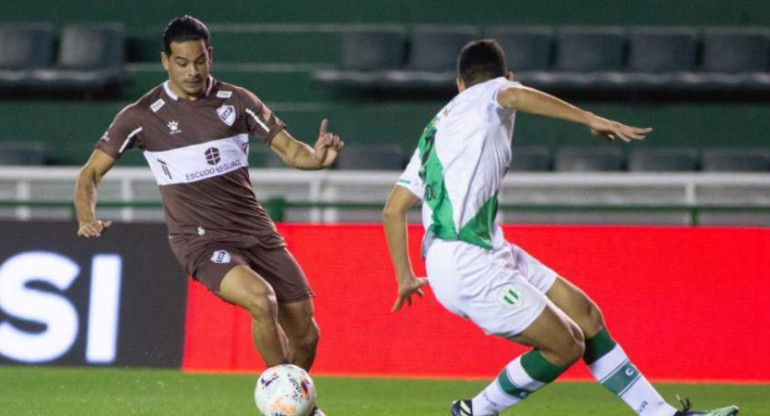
(116, 301)
(686, 303)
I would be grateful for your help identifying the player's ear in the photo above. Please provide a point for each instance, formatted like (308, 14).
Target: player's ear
(509, 76)
(210, 49)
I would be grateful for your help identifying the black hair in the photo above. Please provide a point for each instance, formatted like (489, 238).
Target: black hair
(183, 29)
(480, 61)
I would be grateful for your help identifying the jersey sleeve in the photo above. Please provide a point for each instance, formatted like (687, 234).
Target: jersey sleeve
(120, 135)
(410, 179)
(260, 121)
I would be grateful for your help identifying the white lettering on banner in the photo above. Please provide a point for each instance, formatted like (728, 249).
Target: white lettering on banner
(54, 311)
(51, 310)
(189, 163)
(104, 308)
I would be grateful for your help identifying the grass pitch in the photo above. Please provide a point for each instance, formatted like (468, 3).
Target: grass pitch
(28, 391)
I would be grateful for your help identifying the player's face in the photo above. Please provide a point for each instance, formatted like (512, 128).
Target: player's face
(188, 68)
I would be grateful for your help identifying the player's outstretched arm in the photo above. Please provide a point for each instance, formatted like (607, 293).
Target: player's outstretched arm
(86, 190)
(299, 155)
(530, 100)
(394, 214)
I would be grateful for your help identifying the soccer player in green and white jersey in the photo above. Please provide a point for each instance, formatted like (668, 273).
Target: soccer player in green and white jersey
(457, 172)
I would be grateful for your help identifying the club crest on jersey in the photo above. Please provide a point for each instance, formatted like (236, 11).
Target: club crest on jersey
(221, 257)
(227, 114)
(173, 127)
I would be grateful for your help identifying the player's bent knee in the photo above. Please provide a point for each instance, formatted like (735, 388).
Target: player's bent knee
(262, 306)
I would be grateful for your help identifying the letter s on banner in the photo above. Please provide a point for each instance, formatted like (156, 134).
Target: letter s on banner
(55, 312)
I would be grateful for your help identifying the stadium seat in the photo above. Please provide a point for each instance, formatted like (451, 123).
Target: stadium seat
(24, 47)
(735, 160)
(588, 159)
(90, 57)
(371, 50)
(22, 153)
(527, 48)
(735, 50)
(530, 159)
(660, 50)
(435, 48)
(372, 157)
(589, 49)
(663, 160)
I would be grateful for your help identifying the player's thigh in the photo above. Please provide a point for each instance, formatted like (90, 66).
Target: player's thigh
(577, 305)
(536, 273)
(244, 287)
(298, 319)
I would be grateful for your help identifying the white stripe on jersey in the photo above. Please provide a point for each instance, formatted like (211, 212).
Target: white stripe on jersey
(128, 139)
(254, 116)
(199, 161)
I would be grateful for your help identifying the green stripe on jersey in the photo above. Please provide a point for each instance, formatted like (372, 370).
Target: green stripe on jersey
(435, 194)
(478, 231)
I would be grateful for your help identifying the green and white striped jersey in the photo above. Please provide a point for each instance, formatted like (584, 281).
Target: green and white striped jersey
(459, 165)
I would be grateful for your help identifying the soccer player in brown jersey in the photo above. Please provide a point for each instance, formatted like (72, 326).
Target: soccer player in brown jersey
(193, 131)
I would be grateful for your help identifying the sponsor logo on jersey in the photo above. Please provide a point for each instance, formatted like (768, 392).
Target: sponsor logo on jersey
(220, 257)
(173, 127)
(212, 156)
(164, 166)
(224, 94)
(157, 105)
(227, 114)
(511, 297)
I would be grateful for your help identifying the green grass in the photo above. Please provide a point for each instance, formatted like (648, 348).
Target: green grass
(27, 391)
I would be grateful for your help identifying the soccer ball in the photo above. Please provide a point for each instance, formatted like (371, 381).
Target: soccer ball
(285, 390)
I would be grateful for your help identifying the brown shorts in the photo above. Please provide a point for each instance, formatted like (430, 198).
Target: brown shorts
(208, 259)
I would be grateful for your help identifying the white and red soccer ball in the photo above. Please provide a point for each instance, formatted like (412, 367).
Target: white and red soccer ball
(285, 390)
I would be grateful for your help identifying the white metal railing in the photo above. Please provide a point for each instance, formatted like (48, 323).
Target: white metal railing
(558, 189)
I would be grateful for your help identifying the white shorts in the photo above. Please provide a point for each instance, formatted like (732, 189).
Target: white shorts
(502, 291)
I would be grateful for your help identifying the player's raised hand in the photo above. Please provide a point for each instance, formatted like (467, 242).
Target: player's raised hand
(407, 288)
(328, 145)
(609, 130)
(93, 228)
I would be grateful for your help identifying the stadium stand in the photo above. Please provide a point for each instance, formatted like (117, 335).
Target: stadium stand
(736, 160)
(372, 157)
(530, 159)
(23, 48)
(662, 160)
(588, 159)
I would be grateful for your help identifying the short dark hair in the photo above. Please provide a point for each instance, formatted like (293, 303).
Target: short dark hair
(481, 60)
(183, 29)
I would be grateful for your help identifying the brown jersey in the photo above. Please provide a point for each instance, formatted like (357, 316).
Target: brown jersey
(198, 152)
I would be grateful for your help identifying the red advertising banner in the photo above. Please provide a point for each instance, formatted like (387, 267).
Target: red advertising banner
(685, 303)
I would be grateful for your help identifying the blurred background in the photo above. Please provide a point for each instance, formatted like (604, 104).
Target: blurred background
(683, 216)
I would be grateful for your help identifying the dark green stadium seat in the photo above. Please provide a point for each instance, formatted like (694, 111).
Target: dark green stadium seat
(371, 50)
(527, 48)
(588, 159)
(735, 160)
(435, 48)
(530, 159)
(24, 47)
(20, 153)
(589, 49)
(663, 160)
(662, 49)
(90, 57)
(736, 50)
